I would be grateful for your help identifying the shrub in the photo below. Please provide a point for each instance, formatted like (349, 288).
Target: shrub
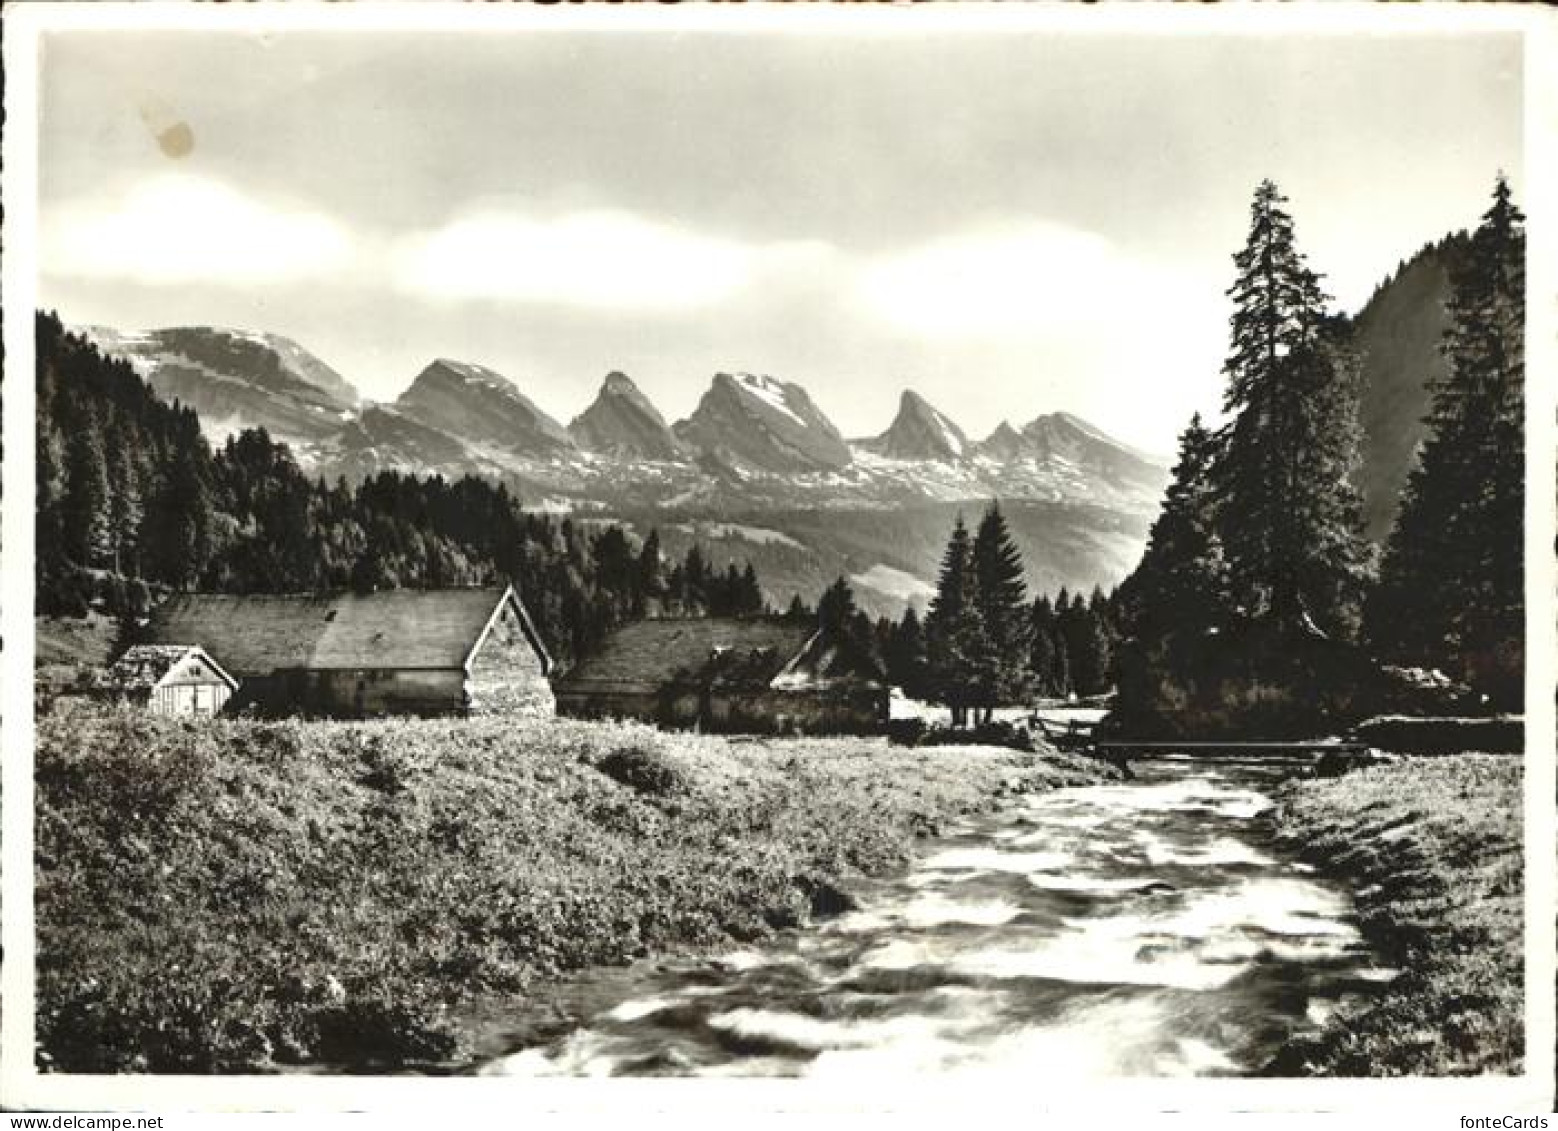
(646, 769)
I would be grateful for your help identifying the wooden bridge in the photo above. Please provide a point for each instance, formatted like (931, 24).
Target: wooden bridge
(1078, 736)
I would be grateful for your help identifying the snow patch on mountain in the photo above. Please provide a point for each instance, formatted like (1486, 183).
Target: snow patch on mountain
(732, 531)
(770, 392)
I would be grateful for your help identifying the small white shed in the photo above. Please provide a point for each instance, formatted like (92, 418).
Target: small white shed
(171, 679)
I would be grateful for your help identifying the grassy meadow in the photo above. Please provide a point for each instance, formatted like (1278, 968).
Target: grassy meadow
(1431, 850)
(246, 896)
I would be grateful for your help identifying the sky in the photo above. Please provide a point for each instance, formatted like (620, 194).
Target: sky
(1010, 223)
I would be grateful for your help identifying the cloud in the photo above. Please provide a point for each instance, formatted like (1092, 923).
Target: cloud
(188, 229)
(598, 260)
(1021, 281)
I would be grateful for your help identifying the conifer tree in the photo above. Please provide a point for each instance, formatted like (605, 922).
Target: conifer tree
(1060, 675)
(1451, 592)
(1001, 673)
(954, 630)
(127, 514)
(1085, 648)
(649, 583)
(749, 593)
(88, 516)
(905, 655)
(1291, 516)
(1182, 580)
(840, 619)
(1041, 649)
(183, 540)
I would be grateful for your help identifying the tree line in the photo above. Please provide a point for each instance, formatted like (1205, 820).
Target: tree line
(134, 502)
(982, 643)
(1263, 519)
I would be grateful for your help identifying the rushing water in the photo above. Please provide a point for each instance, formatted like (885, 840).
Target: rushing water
(1144, 928)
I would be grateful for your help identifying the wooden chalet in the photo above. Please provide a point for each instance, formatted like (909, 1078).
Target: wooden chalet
(168, 679)
(402, 651)
(759, 675)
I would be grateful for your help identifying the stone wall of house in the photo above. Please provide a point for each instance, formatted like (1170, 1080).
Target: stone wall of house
(506, 675)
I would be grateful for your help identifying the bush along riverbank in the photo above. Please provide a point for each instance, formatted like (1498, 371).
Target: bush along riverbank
(240, 896)
(1431, 850)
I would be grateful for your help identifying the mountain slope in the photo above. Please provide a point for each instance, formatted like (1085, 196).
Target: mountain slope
(892, 555)
(623, 422)
(1071, 441)
(236, 379)
(1397, 335)
(481, 407)
(1005, 443)
(761, 424)
(919, 431)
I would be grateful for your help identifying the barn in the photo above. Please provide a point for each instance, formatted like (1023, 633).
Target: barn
(349, 655)
(169, 679)
(755, 675)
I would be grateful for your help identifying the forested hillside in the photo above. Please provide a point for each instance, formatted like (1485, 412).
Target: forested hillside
(1398, 335)
(133, 502)
(1258, 573)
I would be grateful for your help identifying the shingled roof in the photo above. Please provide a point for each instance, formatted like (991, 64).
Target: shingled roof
(649, 653)
(399, 628)
(143, 666)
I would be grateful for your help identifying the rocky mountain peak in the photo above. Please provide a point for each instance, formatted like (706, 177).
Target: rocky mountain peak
(619, 384)
(623, 422)
(236, 378)
(481, 406)
(764, 424)
(920, 432)
(1002, 444)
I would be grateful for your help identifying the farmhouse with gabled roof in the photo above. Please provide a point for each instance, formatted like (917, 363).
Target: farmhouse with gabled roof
(400, 651)
(765, 675)
(169, 679)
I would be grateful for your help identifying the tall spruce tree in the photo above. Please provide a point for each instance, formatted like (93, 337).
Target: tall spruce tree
(1085, 647)
(1451, 591)
(954, 629)
(1291, 516)
(1182, 580)
(905, 656)
(128, 512)
(88, 505)
(1001, 673)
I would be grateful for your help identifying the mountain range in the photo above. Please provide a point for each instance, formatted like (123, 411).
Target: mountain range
(752, 439)
(757, 471)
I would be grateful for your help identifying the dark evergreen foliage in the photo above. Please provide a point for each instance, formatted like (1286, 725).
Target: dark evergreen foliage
(1001, 668)
(1183, 576)
(954, 628)
(1291, 515)
(984, 645)
(1451, 591)
(1254, 580)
